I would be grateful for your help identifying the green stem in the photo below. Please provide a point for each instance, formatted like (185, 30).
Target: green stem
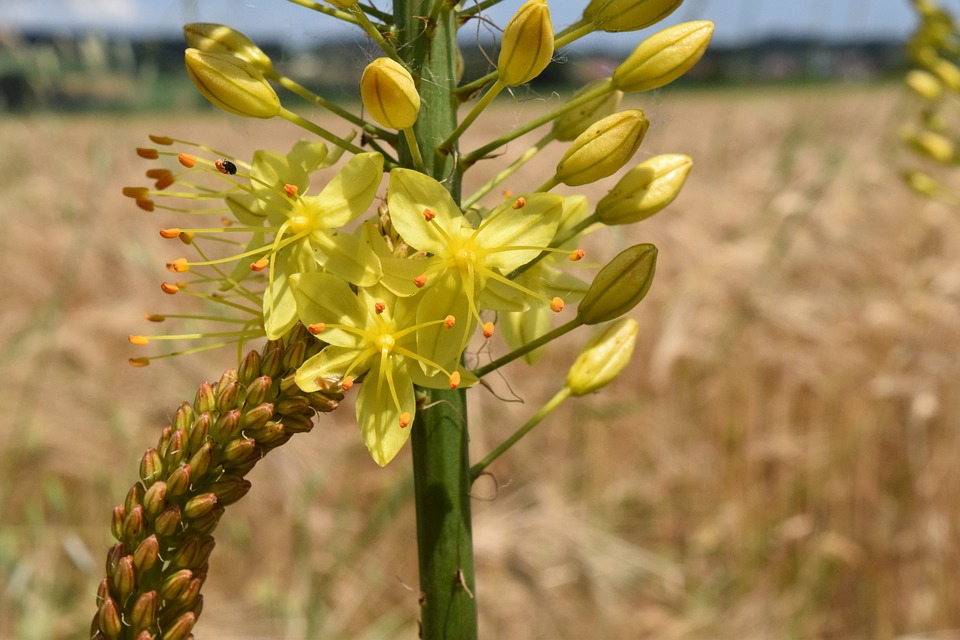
(298, 120)
(411, 137)
(544, 411)
(573, 32)
(524, 158)
(439, 439)
(471, 158)
(527, 348)
(322, 8)
(375, 34)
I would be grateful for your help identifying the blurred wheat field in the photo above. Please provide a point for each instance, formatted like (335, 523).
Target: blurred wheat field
(780, 460)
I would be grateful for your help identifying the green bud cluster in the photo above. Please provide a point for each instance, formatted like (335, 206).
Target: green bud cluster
(164, 527)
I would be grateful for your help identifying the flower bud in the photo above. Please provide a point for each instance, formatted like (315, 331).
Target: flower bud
(257, 390)
(232, 84)
(174, 584)
(230, 488)
(573, 123)
(201, 460)
(644, 190)
(168, 521)
(181, 627)
(947, 72)
(257, 416)
(125, 578)
(527, 45)
(144, 611)
(227, 395)
(151, 467)
(133, 523)
(109, 619)
(663, 57)
(603, 357)
(389, 94)
(179, 481)
(218, 38)
(924, 84)
(620, 285)
(614, 16)
(603, 148)
(200, 505)
(154, 500)
(147, 553)
(931, 144)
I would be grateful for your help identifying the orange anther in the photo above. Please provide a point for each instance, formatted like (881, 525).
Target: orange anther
(487, 329)
(346, 383)
(260, 264)
(145, 203)
(170, 233)
(429, 215)
(148, 153)
(454, 379)
(171, 289)
(405, 419)
(556, 305)
(316, 328)
(449, 321)
(139, 362)
(577, 254)
(164, 140)
(520, 203)
(420, 281)
(164, 182)
(379, 307)
(186, 237)
(138, 340)
(154, 317)
(507, 194)
(187, 161)
(179, 265)
(291, 190)
(225, 221)
(137, 193)
(225, 167)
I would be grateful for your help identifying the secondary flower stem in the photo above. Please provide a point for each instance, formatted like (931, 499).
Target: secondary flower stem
(333, 107)
(330, 11)
(524, 158)
(527, 348)
(346, 145)
(484, 102)
(504, 446)
(414, 146)
(375, 34)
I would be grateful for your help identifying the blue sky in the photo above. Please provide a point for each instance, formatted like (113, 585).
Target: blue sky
(737, 20)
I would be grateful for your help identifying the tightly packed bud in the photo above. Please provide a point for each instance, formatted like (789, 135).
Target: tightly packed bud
(614, 16)
(232, 84)
(218, 38)
(573, 123)
(948, 73)
(603, 148)
(527, 45)
(620, 285)
(389, 94)
(645, 189)
(663, 57)
(924, 84)
(603, 357)
(929, 143)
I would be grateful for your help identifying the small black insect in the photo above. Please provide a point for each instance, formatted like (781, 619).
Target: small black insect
(225, 166)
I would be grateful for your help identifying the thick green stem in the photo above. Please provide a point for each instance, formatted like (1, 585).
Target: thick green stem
(441, 465)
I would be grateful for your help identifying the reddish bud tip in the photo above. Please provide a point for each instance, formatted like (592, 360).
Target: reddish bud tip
(454, 379)
(139, 362)
(577, 254)
(520, 203)
(404, 419)
(148, 153)
(317, 328)
(168, 288)
(487, 329)
(449, 321)
(556, 305)
(187, 161)
(170, 233)
(428, 215)
(164, 140)
(379, 307)
(420, 281)
(260, 264)
(291, 190)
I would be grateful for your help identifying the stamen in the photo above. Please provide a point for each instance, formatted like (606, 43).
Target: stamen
(449, 321)
(178, 266)
(138, 340)
(346, 383)
(454, 379)
(186, 237)
(146, 204)
(148, 153)
(379, 307)
(187, 161)
(487, 329)
(577, 254)
(420, 281)
(404, 419)
(507, 194)
(164, 140)
(168, 288)
(428, 215)
(137, 193)
(520, 203)
(139, 362)
(170, 233)
(291, 190)
(155, 317)
(556, 305)
(316, 328)
(260, 264)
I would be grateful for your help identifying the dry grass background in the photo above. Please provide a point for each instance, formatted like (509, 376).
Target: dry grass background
(780, 461)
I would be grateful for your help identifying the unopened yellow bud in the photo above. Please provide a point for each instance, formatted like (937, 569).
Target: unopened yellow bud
(527, 45)
(663, 57)
(948, 73)
(614, 16)
(218, 38)
(924, 84)
(232, 84)
(620, 285)
(573, 123)
(603, 148)
(931, 144)
(644, 190)
(389, 94)
(603, 358)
